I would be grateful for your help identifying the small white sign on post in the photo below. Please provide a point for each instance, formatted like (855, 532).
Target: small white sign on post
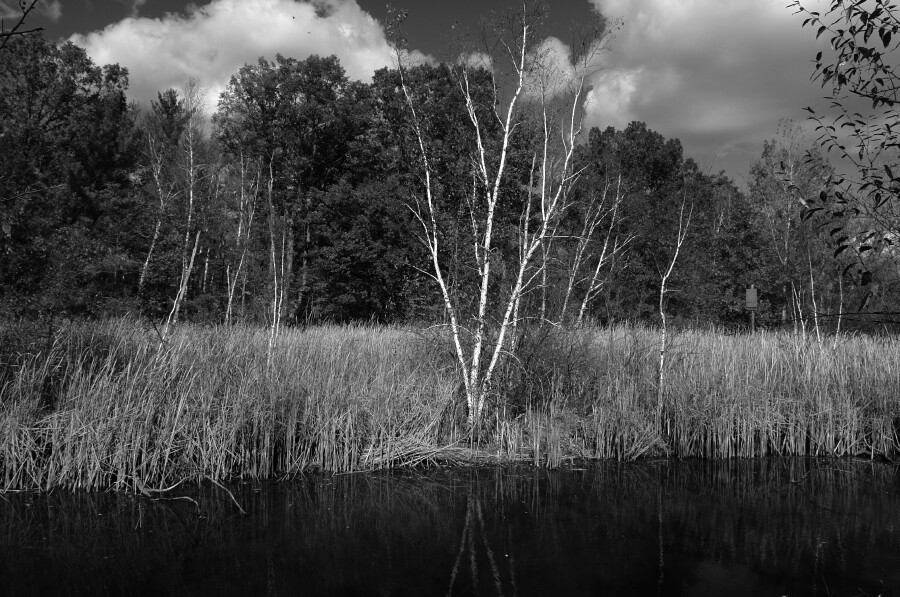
(751, 298)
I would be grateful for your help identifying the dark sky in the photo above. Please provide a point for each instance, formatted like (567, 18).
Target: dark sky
(717, 74)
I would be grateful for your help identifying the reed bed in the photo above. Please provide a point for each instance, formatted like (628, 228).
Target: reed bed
(725, 396)
(109, 405)
(127, 411)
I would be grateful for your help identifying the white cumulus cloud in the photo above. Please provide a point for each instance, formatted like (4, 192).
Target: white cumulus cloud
(211, 42)
(718, 74)
(552, 69)
(476, 60)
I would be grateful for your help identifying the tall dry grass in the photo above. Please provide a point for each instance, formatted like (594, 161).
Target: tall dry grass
(108, 405)
(771, 393)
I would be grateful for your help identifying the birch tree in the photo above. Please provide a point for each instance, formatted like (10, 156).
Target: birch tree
(164, 127)
(684, 224)
(596, 245)
(480, 338)
(286, 117)
(248, 179)
(252, 121)
(783, 183)
(190, 163)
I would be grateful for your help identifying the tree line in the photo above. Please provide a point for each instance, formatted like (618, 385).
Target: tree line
(304, 197)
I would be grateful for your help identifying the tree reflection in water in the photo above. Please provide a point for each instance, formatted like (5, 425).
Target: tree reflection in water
(474, 533)
(667, 528)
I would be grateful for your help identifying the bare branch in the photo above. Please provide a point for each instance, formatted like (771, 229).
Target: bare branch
(5, 35)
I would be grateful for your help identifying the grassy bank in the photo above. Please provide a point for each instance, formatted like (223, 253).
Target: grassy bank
(106, 404)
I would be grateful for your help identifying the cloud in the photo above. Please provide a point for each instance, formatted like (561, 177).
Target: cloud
(716, 74)
(135, 6)
(10, 9)
(551, 67)
(555, 71)
(210, 43)
(476, 60)
(52, 9)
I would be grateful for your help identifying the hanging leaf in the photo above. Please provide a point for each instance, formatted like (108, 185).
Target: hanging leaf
(808, 213)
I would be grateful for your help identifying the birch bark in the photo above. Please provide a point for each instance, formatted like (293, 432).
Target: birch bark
(482, 344)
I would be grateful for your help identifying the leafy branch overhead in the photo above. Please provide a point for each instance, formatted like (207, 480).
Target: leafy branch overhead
(859, 70)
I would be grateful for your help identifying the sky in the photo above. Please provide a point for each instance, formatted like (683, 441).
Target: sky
(717, 74)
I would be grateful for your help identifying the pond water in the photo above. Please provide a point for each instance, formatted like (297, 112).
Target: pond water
(651, 528)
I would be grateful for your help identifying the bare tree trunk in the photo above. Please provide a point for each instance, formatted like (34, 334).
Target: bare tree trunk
(591, 221)
(247, 209)
(478, 350)
(205, 269)
(524, 228)
(798, 309)
(213, 201)
(146, 265)
(304, 265)
(157, 159)
(287, 263)
(544, 257)
(683, 226)
(594, 285)
(275, 310)
(812, 296)
(182, 288)
(190, 141)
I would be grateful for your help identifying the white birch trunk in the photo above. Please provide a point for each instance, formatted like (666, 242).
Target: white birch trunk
(679, 241)
(479, 348)
(164, 195)
(247, 208)
(190, 147)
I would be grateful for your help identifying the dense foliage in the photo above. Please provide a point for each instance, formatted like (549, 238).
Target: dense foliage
(292, 203)
(860, 207)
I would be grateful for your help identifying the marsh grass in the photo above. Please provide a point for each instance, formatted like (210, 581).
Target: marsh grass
(767, 394)
(130, 412)
(109, 405)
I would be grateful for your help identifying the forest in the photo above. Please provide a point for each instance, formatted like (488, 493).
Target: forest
(440, 265)
(298, 186)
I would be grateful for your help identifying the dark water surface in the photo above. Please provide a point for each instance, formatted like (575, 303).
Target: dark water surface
(653, 528)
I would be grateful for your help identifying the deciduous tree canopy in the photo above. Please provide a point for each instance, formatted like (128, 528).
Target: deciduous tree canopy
(296, 201)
